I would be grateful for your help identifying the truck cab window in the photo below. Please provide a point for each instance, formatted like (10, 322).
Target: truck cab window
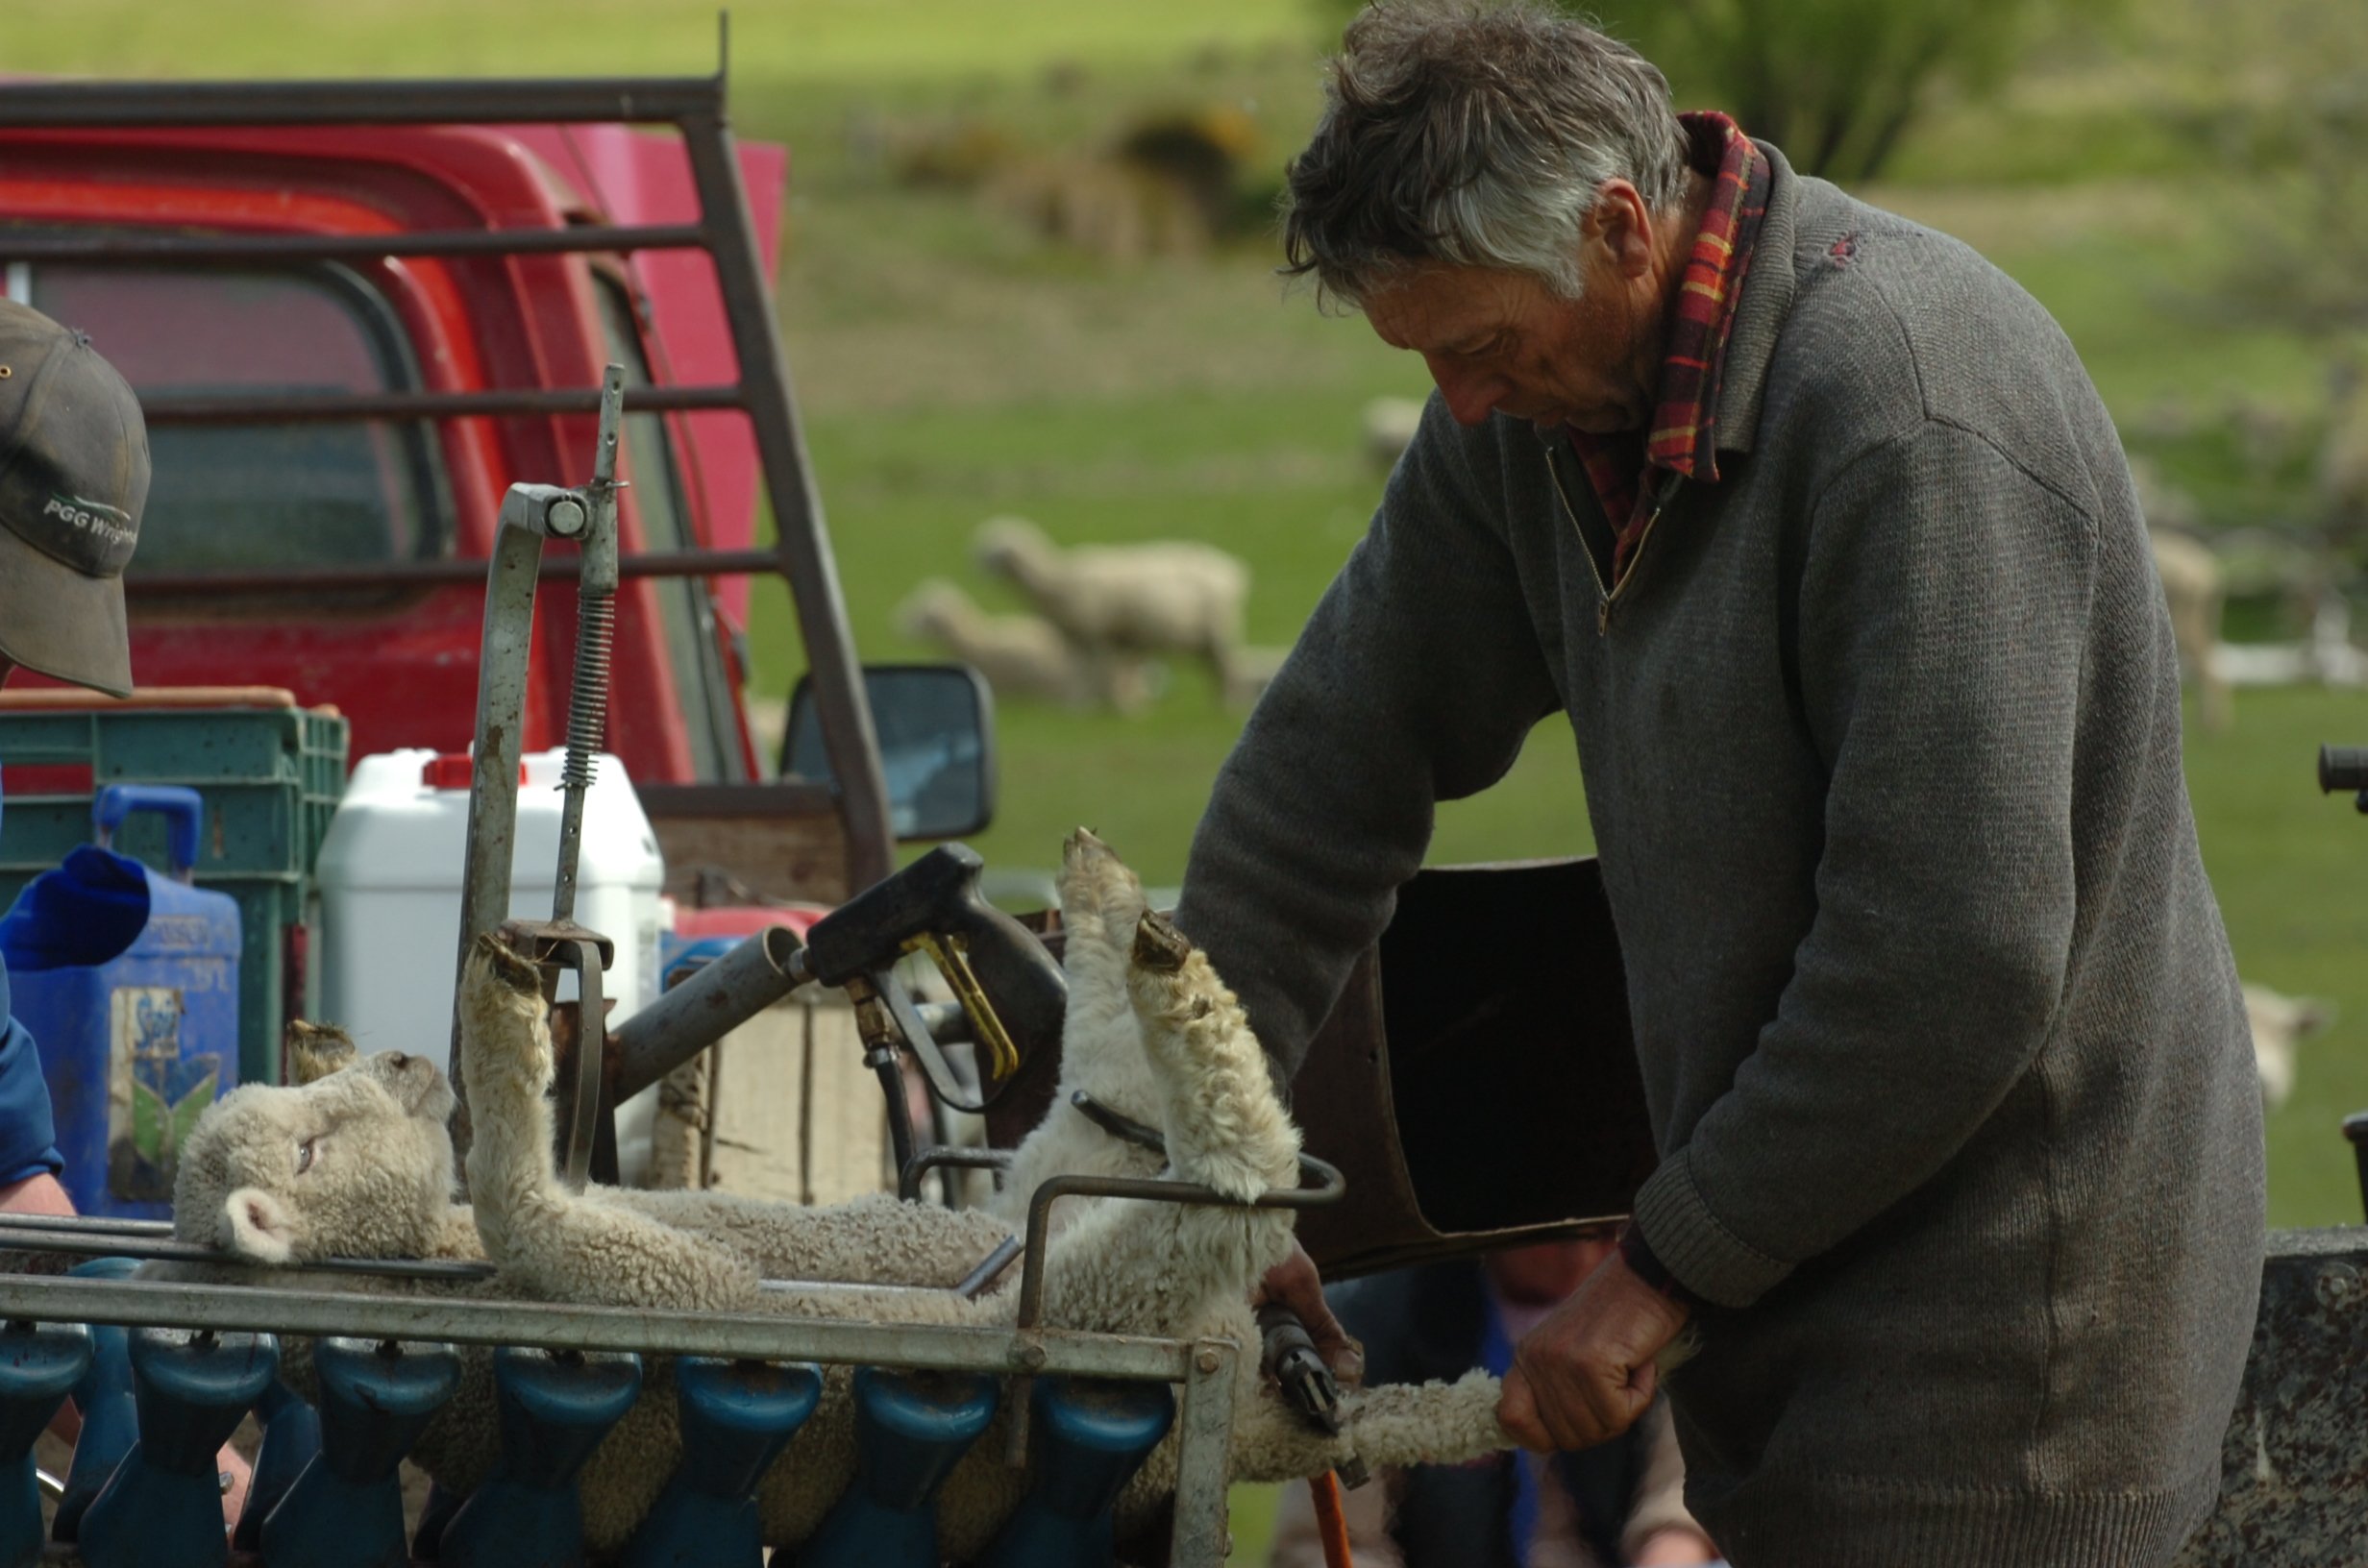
(255, 496)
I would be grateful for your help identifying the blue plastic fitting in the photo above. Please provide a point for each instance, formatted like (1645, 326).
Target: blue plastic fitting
(911, 1429)
(291, 1437)
(346, 1510)
(735, 1418)
(555, 1408)
(163, 1507)
(108, 1409)
(1086, 1440)
(39, 1364)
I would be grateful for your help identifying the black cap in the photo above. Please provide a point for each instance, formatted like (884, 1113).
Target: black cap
(73, 479)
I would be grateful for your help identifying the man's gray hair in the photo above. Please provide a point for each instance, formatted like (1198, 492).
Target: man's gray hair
(1474, 135)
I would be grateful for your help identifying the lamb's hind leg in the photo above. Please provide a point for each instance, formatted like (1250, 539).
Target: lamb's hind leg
(576, 1247)
(1167, 1268)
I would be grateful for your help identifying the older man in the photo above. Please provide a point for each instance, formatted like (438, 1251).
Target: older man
(1812, 524)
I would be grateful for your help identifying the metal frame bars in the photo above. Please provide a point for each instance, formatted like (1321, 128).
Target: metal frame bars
(695, 106)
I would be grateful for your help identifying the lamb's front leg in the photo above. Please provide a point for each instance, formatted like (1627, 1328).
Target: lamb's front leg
(576, 1247)
(1166, 1268)
(1101, 1045)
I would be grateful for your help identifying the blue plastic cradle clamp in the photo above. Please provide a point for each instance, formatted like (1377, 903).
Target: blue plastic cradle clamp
(39, 1366)
(1086, 1440)
(911, 1430)
(346, 1510)
(735, 1418)
(109, 1409)
(291, 1437)
(557, 1406)
(163, 1507)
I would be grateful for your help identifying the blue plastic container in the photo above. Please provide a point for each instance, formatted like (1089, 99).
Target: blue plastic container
(129, 982)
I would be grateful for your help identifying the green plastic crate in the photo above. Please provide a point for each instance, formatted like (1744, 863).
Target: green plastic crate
(270, 777)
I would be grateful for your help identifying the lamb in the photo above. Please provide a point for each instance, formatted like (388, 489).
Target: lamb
(1388, 428)
(1117, 602)
(1020, 655)
(2279, 1024)
(356, 1162)
(2193, 585)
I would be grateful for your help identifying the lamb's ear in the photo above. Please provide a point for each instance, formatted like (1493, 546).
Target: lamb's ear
(315, 1050)
(260, 1228)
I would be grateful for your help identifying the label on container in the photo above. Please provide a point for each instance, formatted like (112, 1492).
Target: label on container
(154, 1093)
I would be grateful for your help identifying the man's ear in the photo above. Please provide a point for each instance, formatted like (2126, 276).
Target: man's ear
(1622, 224)
(258, 1227)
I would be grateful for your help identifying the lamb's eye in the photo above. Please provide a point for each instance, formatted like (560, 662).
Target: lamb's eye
(303, 1155)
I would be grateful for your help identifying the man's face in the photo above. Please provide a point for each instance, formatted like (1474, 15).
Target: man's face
(1502, 342)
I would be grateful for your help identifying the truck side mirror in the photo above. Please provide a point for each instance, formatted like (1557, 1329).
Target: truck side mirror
(936, 729)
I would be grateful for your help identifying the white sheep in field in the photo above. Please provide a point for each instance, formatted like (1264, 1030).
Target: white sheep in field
(2196, 590)
(1121, 602)
(1020, 655)
(357, 1162)
(1387, 428)
(2279, 1024)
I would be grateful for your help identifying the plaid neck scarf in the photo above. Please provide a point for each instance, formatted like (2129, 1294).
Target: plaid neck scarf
(1626, 469)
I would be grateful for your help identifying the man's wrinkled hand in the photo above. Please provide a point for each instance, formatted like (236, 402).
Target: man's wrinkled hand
(1586, 1374)
(1295, 1282)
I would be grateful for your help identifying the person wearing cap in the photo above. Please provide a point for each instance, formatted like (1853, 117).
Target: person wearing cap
(73, 480)
(73, 483)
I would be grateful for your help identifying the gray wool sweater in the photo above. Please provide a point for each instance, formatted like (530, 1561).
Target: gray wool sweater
(1940, 1037)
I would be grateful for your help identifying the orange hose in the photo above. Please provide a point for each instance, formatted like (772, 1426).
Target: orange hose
(1331, 1524)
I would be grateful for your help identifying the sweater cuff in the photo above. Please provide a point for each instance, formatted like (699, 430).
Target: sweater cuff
(1700, 1253)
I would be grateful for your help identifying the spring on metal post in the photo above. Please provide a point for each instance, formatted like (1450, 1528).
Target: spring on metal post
(596, 623)
(587, 708)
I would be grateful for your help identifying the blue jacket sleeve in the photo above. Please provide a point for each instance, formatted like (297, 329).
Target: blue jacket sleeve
(28, 1140)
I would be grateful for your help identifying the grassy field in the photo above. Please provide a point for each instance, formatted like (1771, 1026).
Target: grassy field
(951, 364)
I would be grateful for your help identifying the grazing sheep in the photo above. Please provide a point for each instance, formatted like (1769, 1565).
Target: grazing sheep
(2279, 1024)
(1115, 601)
(2196, 591)
(2193, 584)
(356, 1162)
(1020, 655)
(1387, 426)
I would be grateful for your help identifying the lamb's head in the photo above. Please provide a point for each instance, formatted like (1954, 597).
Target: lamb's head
(1007, 546)
(930, 608)
(353, 1161)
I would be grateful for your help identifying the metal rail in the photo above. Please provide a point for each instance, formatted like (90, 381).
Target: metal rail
(57, 106)
(1328, 1189)
(318, 407)
(747, 1336)
(668, 563)
(121, 248)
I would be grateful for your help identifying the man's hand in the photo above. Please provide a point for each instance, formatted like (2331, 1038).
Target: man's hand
(1295, 1282)
(1676, 1548)
(1586, 1373)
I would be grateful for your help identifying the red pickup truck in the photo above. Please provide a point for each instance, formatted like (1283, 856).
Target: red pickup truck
(357, 312)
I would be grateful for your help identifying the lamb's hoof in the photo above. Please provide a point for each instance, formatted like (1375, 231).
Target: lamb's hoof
(1159, 946)
(506, 968)
(315, 1050)
(1097, 889)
